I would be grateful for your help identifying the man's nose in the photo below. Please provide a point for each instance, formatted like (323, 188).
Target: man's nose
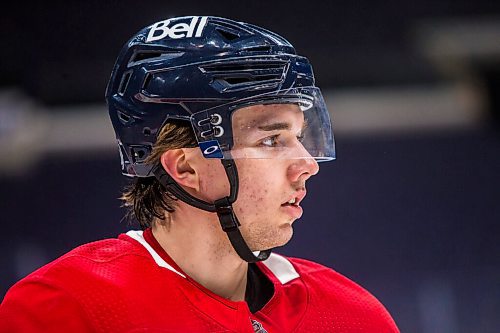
(302, 169)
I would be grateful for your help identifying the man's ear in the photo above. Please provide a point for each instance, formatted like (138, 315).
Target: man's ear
(176, 163)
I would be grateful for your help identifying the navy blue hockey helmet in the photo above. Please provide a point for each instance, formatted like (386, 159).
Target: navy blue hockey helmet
(203, 69)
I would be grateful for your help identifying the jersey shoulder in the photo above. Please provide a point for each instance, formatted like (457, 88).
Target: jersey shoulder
(88, 271)
(64, 287)
(340, 302)
(325, 278)
(104, 285)
(99, 259)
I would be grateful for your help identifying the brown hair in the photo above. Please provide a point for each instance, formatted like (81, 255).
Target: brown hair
(146, 199)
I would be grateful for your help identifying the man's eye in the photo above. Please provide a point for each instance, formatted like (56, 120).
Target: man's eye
(300, 138)
(270, 141)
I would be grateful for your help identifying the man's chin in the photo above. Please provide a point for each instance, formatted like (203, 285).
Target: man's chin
(281, 238)
(287, 230)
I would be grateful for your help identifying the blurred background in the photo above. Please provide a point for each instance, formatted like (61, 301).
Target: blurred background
(410, 209)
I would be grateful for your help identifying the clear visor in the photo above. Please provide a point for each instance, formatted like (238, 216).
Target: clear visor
(287, 124)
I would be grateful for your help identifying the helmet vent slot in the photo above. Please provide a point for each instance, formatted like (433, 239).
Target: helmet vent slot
(124, 83)
(247, 74)
(140, 56)
(145, 56)
(245, 67)
(147, 80)
(124, 118)
(228, 35)
(265, 48)
(240, 80)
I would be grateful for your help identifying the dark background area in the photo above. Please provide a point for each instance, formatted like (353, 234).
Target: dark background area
(62, 51)
(413, 217)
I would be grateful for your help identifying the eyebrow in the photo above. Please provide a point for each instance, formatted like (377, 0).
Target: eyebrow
(275, 127)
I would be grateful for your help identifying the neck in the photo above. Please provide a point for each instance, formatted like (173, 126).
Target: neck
(196, 242)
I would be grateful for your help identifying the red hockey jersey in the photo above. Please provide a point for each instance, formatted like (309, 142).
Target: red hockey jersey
(130, 284)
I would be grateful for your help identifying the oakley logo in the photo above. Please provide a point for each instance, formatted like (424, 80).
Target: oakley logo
(211, 149)
(162, 29)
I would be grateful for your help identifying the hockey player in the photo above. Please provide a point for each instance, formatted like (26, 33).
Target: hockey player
(221, 125)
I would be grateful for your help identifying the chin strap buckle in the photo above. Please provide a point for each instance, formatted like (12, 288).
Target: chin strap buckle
(228, 220)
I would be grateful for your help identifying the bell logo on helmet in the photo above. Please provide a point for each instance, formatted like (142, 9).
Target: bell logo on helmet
(161, 29)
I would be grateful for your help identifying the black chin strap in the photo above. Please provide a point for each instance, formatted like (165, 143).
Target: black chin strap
(223, 207)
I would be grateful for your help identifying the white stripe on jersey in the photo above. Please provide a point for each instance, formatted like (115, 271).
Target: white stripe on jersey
(281, 268)
(138, 236)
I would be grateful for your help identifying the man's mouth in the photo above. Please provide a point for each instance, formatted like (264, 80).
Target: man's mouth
(292, 207)
(295, 199)
(291, 202)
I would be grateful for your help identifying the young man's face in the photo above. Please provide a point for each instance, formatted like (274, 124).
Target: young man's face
(273, 167)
